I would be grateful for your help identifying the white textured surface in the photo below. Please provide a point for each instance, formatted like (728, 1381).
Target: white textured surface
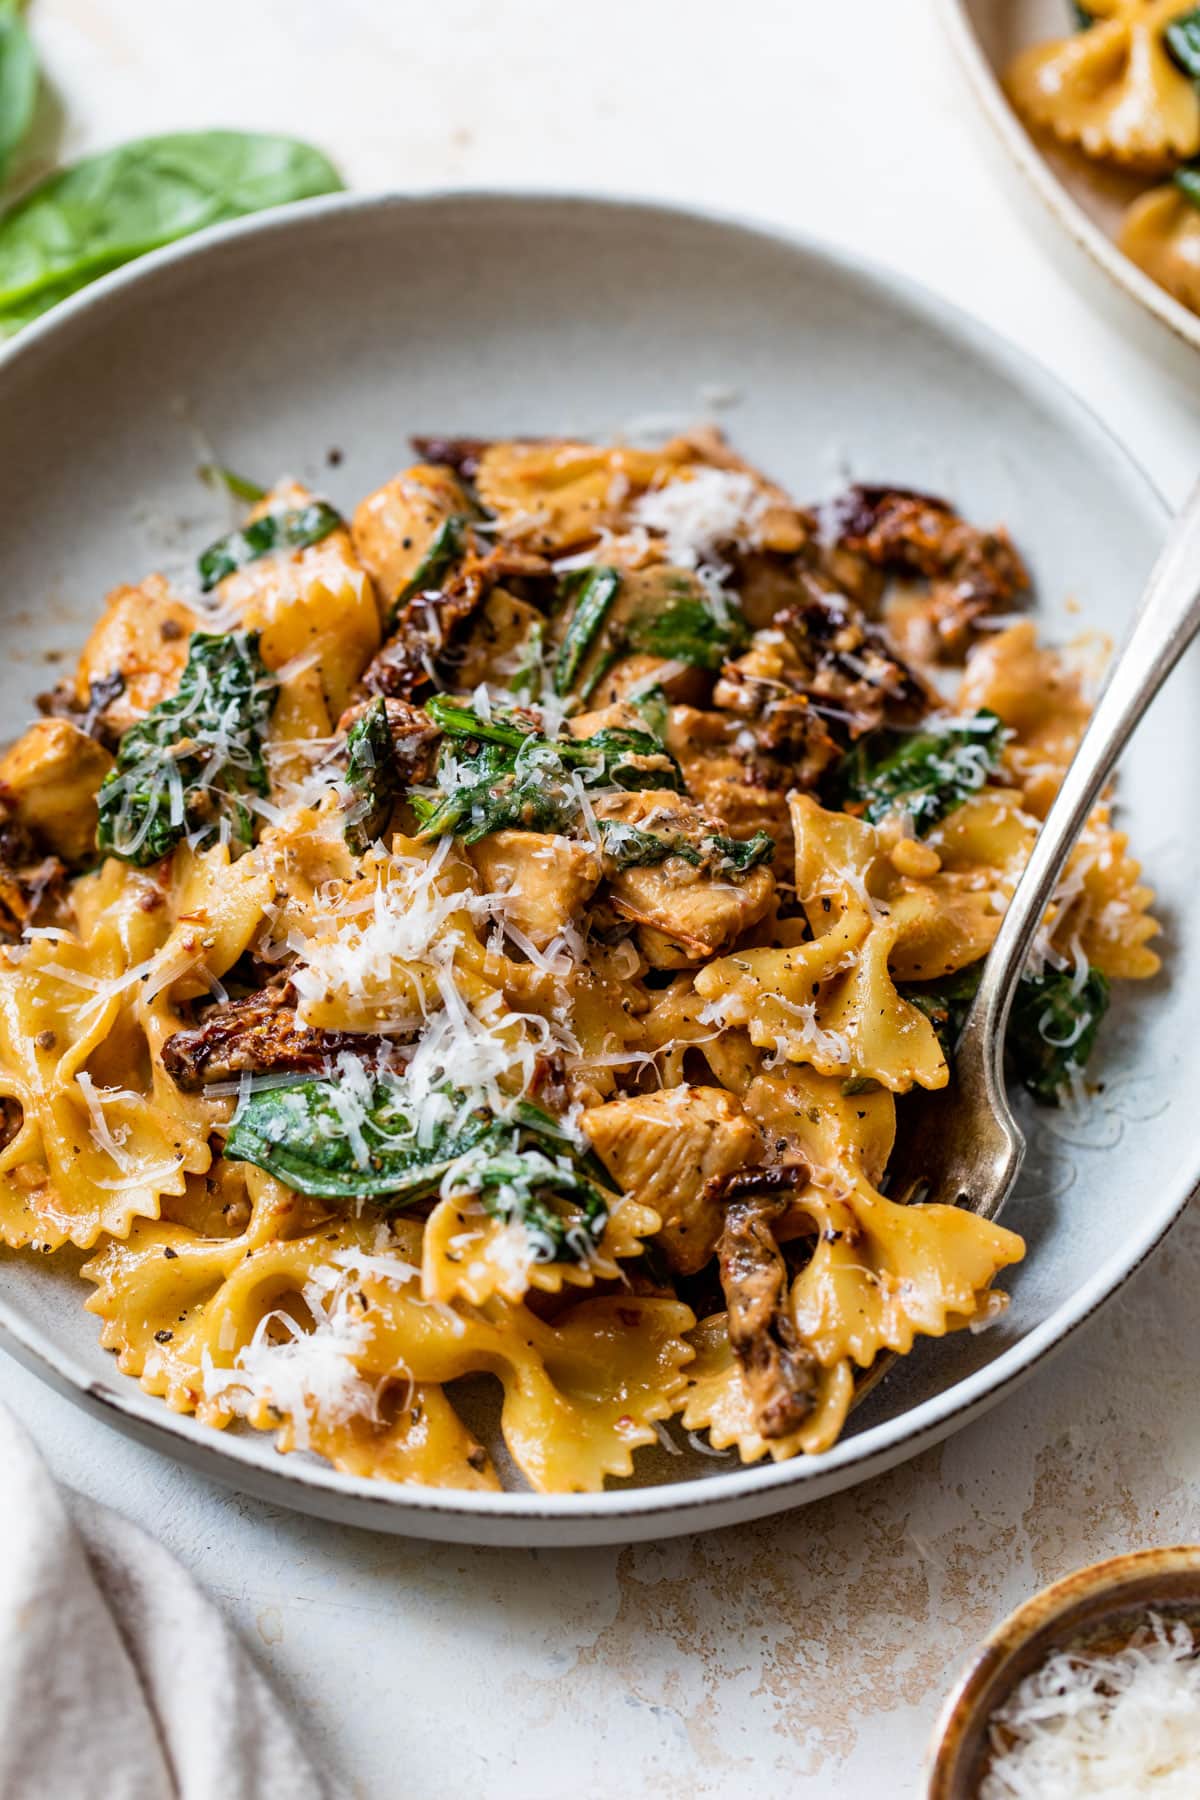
(804, 1656)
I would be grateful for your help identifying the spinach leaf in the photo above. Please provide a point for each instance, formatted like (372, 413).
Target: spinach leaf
(180, 770)
(372, 778)
(628, 847)
(926, 773)
(688, 631)
(1052, 1028)
(1187, 180)
(237, 485)
(443, 552)
(85, 221)
(1182, 38)
(293, 529)
(359, 1139)
(18, 81)
(594, 591)
(501, 772)
(1081, 17)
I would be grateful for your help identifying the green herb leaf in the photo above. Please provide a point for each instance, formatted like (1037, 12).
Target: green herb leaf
(372, 778)
(294, 529)
(356, 1138)
(501, 772)
(18, 82)
(594, 591)
(443, 552)
(926, 773)
(181, 769)
(1052, 1027)
(234, 484)
(628, 847)
(85, 221)
(688, 631)
(1182, 38)
(1187, 180)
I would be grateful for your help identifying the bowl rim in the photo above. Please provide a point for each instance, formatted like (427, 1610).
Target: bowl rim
(1023, 149)
(773, 1486)
(989, 1678)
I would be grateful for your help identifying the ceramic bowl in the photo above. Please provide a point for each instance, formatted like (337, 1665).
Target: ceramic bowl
(313, 340)
(1086, 198)
(1100, 1604)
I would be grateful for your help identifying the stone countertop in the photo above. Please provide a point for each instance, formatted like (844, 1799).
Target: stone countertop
(807, 1655)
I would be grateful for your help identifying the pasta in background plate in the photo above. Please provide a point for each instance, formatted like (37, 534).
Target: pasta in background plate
(1124, 88)
(496, 935)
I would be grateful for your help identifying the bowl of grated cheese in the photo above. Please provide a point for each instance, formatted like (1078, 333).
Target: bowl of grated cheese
(1091, 1688)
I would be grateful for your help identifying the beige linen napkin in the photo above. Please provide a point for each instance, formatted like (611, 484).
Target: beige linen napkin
(119, 1679)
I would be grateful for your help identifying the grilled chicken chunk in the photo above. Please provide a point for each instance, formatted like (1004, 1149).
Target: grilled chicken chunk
(51, 777)
(546, 880)
(780, 1373)
(693, 908)
(671, 1150)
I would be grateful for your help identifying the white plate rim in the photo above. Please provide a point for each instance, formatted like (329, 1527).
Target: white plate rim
(1024, 152)
(614, 1515)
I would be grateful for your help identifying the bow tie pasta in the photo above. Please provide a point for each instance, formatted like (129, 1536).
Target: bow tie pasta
(493, 939)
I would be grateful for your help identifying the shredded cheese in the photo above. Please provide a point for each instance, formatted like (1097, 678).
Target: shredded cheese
(1086, 1725)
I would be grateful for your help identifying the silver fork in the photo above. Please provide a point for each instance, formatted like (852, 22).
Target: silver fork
(963, 1146)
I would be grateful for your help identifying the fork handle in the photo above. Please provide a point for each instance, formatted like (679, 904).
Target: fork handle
(1167, 621)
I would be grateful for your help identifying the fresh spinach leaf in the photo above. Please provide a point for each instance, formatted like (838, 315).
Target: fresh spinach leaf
(180, 770)
(1182, 38)
(594, 591)
(359, 1139)
(443, 552)
(500, 772)
(372, 778)
(688, 631)
(293, 529)
(1187, 180)
(924, 773)
(87, 220)
(233, 483)
(18, 82)
(1052, 1028)
(628, 847)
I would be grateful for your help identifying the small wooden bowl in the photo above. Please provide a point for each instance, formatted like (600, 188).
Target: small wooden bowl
(1105, 1601)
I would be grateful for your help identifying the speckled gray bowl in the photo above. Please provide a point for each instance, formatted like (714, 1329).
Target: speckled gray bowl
(343, 325)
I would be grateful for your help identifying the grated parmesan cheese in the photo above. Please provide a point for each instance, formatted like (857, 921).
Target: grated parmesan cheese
(702, 512)
(1086, 1725)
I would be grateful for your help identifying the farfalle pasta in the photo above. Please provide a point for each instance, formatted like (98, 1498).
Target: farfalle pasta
(1123, 87)
(495, 935)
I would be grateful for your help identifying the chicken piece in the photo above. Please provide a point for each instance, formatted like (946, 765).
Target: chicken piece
(394, 528)
(781, 1375)
(545, 880)
(671, 1151)
(731, 778)
(690, 909)
(133, 659)
(52, 776)
(503, 638)
(259, 1033)
(971, 573)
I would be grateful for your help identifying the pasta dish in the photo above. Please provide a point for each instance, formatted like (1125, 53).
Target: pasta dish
(494, 935)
